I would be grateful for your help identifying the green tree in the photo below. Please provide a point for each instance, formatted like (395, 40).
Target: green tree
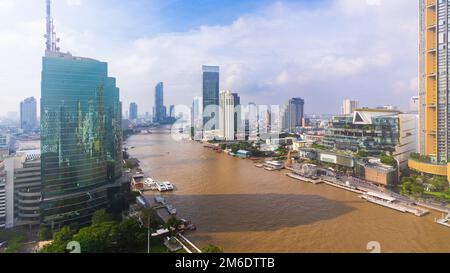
(172, 224)
(129, 236)
(388, 160)
(417, 189)
(60, 241)
(15, 244)
(96, 238)
(212, 249)
(362, 153)
(440, 183)
(45, 234)
(101, 216)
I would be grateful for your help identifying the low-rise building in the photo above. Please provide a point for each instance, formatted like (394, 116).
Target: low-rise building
(375, 131)
(374, 171)
(340, 159)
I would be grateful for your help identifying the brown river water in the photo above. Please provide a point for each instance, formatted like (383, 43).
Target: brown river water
(246, 209)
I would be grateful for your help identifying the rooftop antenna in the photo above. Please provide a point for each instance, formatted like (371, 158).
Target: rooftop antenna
(52, 40)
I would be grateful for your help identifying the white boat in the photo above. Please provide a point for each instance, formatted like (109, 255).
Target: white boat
(149, 182)
(168, 185)
(161, 187)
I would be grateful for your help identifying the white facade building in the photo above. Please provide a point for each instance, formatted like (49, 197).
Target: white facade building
(226, 116)
(349, 106)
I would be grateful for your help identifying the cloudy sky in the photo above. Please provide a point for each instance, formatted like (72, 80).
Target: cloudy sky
(268, 51)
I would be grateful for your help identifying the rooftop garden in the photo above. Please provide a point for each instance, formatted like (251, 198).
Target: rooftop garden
(420, 158)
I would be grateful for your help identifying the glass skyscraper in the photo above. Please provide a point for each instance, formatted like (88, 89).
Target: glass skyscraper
(133, 111)
(81, 138)
(159, 110)
(210, 93)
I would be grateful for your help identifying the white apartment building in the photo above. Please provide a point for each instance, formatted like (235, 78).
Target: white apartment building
(226, 117)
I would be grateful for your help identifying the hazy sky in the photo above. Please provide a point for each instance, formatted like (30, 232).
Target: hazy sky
(268, 51)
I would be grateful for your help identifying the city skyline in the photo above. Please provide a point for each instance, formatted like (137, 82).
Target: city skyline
(294, 69)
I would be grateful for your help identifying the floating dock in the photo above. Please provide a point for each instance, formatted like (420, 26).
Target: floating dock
(444, 221)
(392, 203)
(304, 179)
(344, 187)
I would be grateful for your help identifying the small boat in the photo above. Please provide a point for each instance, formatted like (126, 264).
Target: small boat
(259, 165)
(161, 187)
(168, 186)
(160, 199)
(171, 209)
(187, 225)
(149, 182)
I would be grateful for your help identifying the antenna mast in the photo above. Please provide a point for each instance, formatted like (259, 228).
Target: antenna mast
(52, 40)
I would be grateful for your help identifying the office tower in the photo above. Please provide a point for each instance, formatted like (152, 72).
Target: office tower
(253, 121)
(295, 113)
(23, 188)
(348, 106)
(197, 109)
(133, 111)
(5, 144)
(268, 119)
(2, 195)
(433, 89)
(81, 137)
(159, 114)
(172, 111)
(227, 116)
(28, 114)
(237, 113)
(283, 121)
(210, 95)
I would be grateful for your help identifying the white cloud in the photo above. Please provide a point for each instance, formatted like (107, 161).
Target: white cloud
(349, 48)
(7, 4)
(364, 49)
(73, 2)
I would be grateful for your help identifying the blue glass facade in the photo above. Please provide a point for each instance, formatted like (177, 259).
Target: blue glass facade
(210, 92)
(160, 111)
(81, 138)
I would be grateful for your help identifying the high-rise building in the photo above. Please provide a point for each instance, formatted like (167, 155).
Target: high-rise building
(2, 195)
(253, 121)
(23, 188)
(434, 117)
(237, 113)
(211, 80)
(28, 114)
(197, 110)
(5, 145)
(295, 113)
(172, 111)
(159, 111)
(81, 136)
(227, 115)
(133, 111)
(349, 106)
